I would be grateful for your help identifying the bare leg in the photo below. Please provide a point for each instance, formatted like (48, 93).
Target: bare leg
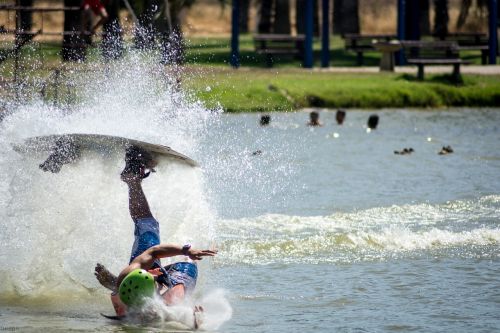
(137, 202)
(174, 295)
(103, 18)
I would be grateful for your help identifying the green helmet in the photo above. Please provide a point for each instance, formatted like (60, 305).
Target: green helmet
(136, 285)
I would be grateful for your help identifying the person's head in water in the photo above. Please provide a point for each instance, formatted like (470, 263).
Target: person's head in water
(373, 121)
(265, 120)
(340, 116)
(314, 119)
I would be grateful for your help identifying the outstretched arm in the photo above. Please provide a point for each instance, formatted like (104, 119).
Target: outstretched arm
(147, 258)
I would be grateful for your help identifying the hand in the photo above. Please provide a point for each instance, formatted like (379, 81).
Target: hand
(195, 254)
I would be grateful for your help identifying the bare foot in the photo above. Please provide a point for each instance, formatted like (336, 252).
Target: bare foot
(198, 316)
(105, 277)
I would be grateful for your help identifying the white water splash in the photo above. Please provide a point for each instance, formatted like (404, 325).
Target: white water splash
(55, 227)
(374, 233)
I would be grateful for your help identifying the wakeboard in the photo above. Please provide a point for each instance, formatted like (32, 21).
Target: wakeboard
(113, 317)
(67, 148)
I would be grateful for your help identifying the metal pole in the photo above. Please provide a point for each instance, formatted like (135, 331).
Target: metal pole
(325, 35)
(493, 6)
(308, 43)
(235, 31)
(401, 28)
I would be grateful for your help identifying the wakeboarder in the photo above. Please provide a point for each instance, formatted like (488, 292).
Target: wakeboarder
(145, 276)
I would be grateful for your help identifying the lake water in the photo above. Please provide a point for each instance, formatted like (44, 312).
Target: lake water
(325, 229)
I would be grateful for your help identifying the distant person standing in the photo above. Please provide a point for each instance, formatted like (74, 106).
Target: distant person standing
(265, 120)
(97, 7)
(373, 121)
(340, 117)
(314, 119)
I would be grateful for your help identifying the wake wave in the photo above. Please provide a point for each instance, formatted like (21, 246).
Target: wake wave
(471, 226)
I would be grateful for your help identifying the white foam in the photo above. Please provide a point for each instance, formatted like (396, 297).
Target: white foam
(55, 227)
(377, 232)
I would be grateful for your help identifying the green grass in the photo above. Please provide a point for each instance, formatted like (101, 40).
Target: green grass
(214, 51)
(266, 90)
(286, 86)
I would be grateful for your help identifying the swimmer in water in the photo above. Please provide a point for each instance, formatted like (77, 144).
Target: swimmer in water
(144, 272)
(340, 117)
(314, 119)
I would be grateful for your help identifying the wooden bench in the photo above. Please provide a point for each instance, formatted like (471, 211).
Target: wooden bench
(271, 45)
(364, 43)
(422, 53)
(470, 41)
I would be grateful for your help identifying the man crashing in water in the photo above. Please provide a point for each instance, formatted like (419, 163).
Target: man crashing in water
(144, 276)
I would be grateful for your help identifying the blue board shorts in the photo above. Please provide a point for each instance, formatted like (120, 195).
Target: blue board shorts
(184, 273)
(147, 234)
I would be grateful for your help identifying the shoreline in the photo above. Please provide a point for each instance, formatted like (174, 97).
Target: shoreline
(264, 90)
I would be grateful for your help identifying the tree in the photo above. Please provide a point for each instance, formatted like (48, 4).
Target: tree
(282, 17)
(112, 41)
(143, 33)
(425, 21)
(346, 16)
(441, 18)
(465, 7)
(25, 17)
(264, 16)
(244, 15)
(73, 46)
(300, 11)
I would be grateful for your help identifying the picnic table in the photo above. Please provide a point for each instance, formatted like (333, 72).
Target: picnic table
(364, 43)
(469, 41)
(271, 45)
(423, 53)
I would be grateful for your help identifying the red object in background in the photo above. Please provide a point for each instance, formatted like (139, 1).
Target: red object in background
(95, 5)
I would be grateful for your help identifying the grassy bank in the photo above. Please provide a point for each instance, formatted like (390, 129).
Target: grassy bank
(247, 90)
(286, 86)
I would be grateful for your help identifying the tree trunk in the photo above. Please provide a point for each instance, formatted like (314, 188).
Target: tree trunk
(425, 21)
(282, 17)
(244, 15)
(73, 46)
(167, 30)
(112, 41)
(413, 15)
(346, 17)
(264, 16)
(337, 17)
(24, 21)
(144, 34)
(300, 10)
(441, 18)
(25, 17)
(300, 19)
(316, 28)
